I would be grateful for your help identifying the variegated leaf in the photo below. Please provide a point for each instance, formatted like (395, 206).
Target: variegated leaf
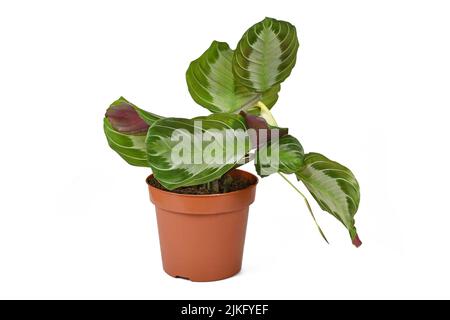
(131, 147)
(334, 187)
(284, 155)
(179, 156)
(212, 84)
(266, 54)
(125, 127)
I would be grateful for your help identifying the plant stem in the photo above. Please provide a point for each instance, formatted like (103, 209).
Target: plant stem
(307, 204)
(250, 103)
(215, 186)
(227, 182)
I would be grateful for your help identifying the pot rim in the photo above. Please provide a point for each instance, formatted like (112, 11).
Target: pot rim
(206, 195)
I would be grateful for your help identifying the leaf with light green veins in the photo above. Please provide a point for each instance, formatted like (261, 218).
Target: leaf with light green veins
(266, 54)
(125, 127)
(335, 189)
(131, 147)
(212, 84)
(179, 156)
(284, 155)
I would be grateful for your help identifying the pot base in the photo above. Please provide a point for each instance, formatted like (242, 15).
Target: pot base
(201, 279)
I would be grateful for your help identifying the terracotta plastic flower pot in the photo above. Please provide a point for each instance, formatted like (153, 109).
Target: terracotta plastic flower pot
(202, 236)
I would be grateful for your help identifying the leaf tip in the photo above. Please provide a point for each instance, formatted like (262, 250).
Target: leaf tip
(356, 241)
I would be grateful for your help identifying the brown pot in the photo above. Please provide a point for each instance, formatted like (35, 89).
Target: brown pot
(202, 236)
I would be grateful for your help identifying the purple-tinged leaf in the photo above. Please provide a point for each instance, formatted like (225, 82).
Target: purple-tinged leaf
(335, 189)
(356, 241)
(262, 132)
(124, 118)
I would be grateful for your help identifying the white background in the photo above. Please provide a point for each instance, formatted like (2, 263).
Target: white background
(370, 90)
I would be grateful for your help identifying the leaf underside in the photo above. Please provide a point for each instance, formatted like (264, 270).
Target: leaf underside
(146, 116)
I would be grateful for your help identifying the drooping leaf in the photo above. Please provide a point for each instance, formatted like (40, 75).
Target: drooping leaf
(131, 147)
(266, 54)
(262, 132)
(185, 152)
(283, 155)
(212, 84)
(334, 187)
(125, 127)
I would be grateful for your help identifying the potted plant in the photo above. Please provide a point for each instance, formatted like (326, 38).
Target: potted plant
(201, 198)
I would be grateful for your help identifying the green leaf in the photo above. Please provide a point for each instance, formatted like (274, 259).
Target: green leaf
(180, 154)
(334, 187)
(131, 147)
(125, 127)
(266, 54)
(212, 84)
(283, 155)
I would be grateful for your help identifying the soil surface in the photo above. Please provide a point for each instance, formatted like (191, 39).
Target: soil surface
(227, 183)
